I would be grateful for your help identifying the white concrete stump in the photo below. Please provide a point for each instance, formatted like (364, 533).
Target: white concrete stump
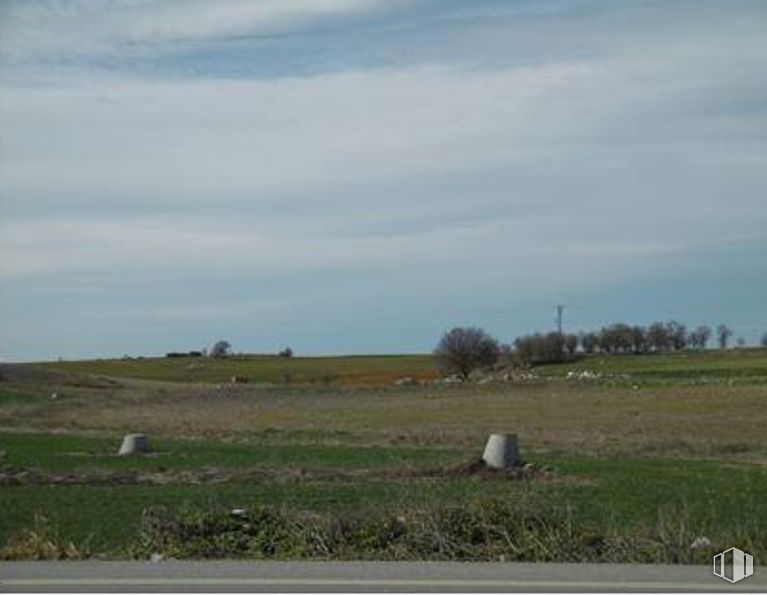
(134, 444)
(502, 451)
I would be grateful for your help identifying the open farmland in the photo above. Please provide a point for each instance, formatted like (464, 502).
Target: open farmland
(348, 370)
(648, 441)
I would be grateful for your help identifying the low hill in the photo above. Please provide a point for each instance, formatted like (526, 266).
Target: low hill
(368, 370)
(373, 370)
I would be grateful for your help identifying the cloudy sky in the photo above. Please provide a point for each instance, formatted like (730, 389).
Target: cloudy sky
(356, 176)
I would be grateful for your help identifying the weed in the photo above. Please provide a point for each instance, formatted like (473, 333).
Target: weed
(524, 529)
(41, 542)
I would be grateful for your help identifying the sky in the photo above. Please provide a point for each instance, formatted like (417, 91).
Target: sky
(358, 176)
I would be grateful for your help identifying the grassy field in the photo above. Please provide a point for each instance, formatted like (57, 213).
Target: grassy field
(696, 367)
(670, 447)
(607, 495)
(708, 366)
(349, 370)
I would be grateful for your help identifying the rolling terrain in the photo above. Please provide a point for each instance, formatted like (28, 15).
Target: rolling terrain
(643, 454)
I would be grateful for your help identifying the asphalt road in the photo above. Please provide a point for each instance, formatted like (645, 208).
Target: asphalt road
(170, 576)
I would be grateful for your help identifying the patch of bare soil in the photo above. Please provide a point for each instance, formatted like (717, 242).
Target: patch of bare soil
(10, 476)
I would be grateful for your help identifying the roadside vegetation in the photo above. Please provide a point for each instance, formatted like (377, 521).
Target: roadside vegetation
(661, 506)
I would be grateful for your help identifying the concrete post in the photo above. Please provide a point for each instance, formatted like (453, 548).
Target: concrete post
(134, 444)
(502, 451)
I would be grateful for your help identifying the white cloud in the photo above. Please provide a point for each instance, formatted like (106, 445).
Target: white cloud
(82, 28)
(432, 175)
(221, 140)
(281, 152)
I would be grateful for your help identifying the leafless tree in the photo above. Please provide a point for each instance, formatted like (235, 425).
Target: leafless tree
(221, 348)
(590, 342)
(539, 348)
(723, 332)
(700, 336)
(465, 349)
(677, 334)
(570, 343)
(657, 337)
(617, 338)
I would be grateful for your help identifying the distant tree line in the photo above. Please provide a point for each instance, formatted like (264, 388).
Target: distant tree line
(220, 349)
(184, 354)
(462, 350)
(659, 337)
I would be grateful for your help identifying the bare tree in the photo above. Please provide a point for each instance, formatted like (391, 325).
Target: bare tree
(465, 349)
(657, 337)
(590, 342)
(570, 343)
(539, 349)
(700, 336)
(638, 337)
(677, 333)
(723, 332)
(221, 348)
(616, 338)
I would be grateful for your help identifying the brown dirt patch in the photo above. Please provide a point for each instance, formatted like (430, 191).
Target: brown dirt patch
(475, 469)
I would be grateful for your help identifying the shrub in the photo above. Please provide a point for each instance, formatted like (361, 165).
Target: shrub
(41, 542)
(465, 349)
(523, 528)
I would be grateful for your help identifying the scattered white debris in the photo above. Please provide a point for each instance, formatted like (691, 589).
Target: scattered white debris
(584, 375)
(527, 376)
(54, 396)
(700, 543)
(406, 381)
(155, 557)
(588, 375)
(239, 512)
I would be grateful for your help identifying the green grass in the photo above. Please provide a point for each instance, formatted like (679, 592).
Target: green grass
(69, 453)
(12, 398)
(623, 495)
(110, 516)
(626, 494)
(629, 493)
(732, 364)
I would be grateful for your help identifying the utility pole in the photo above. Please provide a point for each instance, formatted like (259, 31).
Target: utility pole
(560, 310)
